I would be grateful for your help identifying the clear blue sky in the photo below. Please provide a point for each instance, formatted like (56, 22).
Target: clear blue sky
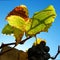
(53, 35)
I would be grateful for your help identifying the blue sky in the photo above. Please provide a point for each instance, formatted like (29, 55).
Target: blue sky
(53, 35)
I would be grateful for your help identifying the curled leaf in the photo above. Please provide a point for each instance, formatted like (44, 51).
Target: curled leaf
(21, 11)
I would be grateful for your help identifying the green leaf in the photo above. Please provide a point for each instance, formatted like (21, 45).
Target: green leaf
(28, 25)
(19, 22)
(42, 20)
(7, 30)
(18, 34)
(16, 21)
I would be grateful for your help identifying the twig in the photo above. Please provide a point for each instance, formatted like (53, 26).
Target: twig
(55, 56)
(22, 42)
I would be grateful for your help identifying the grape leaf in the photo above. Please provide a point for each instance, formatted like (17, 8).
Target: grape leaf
(18, 34)
(17, 22)
(19, 18)
(42, 20)
(28, 25)
(21, 11)
(7, 30)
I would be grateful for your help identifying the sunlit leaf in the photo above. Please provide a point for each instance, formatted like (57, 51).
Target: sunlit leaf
(28, 25)
(17, 22)
(18, 34)
(21, 11)
(7, 30)
(42, 20)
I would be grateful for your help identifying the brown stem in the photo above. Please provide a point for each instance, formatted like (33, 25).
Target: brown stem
(54, 57)
(22, 42)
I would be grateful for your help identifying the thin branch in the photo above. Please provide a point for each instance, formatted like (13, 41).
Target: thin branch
(22, 42)
(54, 57)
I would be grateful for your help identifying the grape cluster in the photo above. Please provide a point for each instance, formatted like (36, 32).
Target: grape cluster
(39, 52)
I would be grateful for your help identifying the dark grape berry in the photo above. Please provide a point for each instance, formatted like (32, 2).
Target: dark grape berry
(39, 52)
(46, 56)
(46, 49)
(43, 43)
